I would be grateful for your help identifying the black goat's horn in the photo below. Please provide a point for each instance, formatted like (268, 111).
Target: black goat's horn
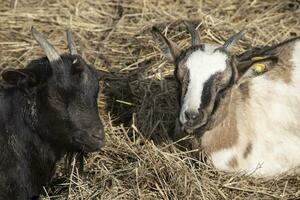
(233, 39)
(191, 29)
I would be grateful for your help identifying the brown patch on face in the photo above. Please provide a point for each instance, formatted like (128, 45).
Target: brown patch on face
(282, 70)
(183, 77)
(181, 70)
(224, 133)
(233, 163)
(248, 150)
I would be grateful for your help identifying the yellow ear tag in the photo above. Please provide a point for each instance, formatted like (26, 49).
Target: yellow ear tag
(259, 68)
(257, 58)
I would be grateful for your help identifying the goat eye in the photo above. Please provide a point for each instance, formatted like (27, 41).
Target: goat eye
(76, 67)
(216, 88)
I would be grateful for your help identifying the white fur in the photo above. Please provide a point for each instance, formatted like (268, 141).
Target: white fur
(296, 61)
(201, 66)
(222, 158)
(275, 149)
(272, 114)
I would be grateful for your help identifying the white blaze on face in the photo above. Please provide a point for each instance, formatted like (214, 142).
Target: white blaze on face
(201, 66)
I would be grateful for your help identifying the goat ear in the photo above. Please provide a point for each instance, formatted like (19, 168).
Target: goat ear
(19, 77)
(169, 48)
(104, 75)
(255, 68)
(239, 68)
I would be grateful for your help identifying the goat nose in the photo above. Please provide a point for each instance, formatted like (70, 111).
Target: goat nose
(191, 115)
(98, 133)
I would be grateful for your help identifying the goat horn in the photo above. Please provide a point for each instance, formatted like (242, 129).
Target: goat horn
(50, 51)
(191, 29)
(234, 39)
(71, 43)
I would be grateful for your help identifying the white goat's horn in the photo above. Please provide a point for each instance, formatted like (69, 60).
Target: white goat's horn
(50, 51)
(71, 43)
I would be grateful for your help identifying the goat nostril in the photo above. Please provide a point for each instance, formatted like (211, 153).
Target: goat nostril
(190, 115)
(98, 136)
(194, 116)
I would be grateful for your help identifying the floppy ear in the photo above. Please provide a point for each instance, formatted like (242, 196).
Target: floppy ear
(256, 67)
(19, 77)
(169, 48)
(104, 75)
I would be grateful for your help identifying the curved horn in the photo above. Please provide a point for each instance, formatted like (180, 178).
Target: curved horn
(191, 29)
(51, 53)
(71, 43)
(234, 39)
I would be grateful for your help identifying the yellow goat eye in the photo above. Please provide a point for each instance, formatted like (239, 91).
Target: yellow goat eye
(259, 68)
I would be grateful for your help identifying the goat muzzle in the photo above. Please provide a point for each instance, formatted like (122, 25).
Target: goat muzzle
(89, 141)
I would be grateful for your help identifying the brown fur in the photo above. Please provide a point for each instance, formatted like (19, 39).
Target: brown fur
(282, 70)
(244, 89)
(233, 163)
(216, 140)
(224, 133)
(248, 150)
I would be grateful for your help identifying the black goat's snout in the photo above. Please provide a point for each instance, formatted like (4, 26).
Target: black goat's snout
(90, 140)
(98, 134)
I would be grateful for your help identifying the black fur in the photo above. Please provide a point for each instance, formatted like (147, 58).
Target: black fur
(42, 121)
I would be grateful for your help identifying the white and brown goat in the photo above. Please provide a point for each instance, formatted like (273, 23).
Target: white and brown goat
(245, 108)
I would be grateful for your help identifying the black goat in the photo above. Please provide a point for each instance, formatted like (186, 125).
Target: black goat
(48, 109)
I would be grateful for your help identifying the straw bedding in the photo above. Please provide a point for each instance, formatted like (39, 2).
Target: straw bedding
(139, 160)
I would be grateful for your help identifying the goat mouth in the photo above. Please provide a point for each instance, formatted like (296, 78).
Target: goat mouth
(88, 147)
(192, 128)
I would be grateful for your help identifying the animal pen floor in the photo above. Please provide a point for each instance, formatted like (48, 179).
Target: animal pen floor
(139, 161)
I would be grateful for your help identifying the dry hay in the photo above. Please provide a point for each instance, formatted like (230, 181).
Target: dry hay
(139, 161)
